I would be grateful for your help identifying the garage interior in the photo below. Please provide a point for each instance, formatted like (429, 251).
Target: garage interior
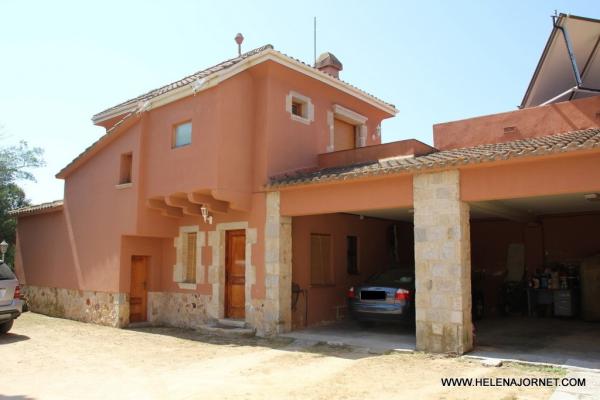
(535, 277)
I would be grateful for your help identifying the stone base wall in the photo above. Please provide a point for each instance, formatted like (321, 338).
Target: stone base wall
(183, 310)
(103, 308)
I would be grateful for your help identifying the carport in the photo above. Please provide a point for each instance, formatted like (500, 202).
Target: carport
(455, 197)
(533, 260)
(341, 235)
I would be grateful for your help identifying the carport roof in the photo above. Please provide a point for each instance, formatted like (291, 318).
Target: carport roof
(558, 143)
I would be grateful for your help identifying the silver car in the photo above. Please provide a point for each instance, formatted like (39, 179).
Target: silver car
(11, 305)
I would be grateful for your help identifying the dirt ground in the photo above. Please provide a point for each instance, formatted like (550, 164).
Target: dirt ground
(50, 358)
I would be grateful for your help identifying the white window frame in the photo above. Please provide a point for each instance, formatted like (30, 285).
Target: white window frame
(308, 109)
(351, 117)
(179, 269)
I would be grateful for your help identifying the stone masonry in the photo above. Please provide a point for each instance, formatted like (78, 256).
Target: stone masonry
(277, 309)
(103, 308)
(443, 264)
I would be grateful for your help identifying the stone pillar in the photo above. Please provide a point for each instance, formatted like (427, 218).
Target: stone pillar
(443, 264)
(277, 313)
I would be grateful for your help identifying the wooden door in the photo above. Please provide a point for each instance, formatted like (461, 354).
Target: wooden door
(138, 295)
(344, 135)
(235, 274)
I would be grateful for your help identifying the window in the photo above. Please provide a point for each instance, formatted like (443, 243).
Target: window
(297, 108)
(320, 259)
(125, 171)
(352, 255)
(182, 134)
(345, 135)
(189, 251)
(300, 108)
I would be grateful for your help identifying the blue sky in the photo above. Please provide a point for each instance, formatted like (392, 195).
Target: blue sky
(437, 61)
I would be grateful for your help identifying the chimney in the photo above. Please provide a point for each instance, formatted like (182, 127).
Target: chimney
(329, 64)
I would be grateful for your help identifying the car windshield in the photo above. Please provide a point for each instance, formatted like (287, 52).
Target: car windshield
(393, 276)
(6, 273)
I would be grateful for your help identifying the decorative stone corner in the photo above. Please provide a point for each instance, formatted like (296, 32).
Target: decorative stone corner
(276, 308)
(102, 308)
(443, 264)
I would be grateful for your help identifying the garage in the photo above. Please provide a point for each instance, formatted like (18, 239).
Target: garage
(333, 255)
(535, 264)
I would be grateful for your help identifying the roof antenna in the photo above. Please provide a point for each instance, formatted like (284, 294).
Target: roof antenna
(315, 41)
(239, 38)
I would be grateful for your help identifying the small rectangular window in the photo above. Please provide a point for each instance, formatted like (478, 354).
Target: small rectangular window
(190, 257)
(352, 254)
(320, 259)
(182, 135)
(125, 171)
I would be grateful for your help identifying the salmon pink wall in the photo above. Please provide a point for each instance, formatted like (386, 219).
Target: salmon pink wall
(529, 122)
(536, 177)
(44, 254)
(328, 303)
(293, 145)
(350, 195)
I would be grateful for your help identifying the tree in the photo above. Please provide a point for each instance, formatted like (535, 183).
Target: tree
(14, 164)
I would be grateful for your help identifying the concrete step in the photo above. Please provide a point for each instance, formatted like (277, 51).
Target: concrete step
(220, 330)
(231, 323)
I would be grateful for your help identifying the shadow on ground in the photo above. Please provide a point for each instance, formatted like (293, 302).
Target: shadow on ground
(325, 342)
(12, 338)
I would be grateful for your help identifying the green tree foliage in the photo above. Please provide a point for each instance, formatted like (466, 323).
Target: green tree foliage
(15, 162)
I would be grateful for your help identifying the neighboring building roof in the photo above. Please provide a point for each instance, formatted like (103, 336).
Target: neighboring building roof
(554, 74)
(197, 81)
(558, 143)
(37, 209)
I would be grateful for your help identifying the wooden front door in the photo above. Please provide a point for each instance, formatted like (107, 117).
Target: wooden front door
(138, 295)
(235, 274)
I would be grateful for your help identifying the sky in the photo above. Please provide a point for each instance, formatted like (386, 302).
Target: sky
(436, 61)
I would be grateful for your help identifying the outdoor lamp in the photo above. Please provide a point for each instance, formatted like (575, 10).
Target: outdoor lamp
(3, 248)
(204, 212)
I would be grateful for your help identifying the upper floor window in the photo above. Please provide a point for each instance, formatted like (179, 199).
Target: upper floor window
(125, 169)
(182, 134)
(299, 107)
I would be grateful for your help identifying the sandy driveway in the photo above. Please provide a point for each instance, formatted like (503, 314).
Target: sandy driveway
(49, 358)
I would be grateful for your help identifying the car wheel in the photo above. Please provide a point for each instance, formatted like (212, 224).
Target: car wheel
(5, 327)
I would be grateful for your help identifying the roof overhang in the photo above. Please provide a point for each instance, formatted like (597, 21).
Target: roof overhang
(217, 77)
(569, 67)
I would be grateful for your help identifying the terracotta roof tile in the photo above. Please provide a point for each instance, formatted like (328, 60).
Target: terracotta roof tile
(36, 209)
(558, 143)
(187, 80)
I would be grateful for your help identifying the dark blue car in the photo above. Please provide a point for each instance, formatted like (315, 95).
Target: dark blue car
(387, 296)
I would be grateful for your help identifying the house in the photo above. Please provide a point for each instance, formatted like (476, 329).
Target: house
(259, 190)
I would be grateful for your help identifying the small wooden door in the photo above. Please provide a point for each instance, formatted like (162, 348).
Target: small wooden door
(235, 274)
(344, 135)
(138, 295)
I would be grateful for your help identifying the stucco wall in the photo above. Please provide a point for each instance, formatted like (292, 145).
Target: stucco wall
(529, 122)
(328, 303)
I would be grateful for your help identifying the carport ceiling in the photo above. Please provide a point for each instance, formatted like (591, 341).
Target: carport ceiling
(395, 214)
(524, 209)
